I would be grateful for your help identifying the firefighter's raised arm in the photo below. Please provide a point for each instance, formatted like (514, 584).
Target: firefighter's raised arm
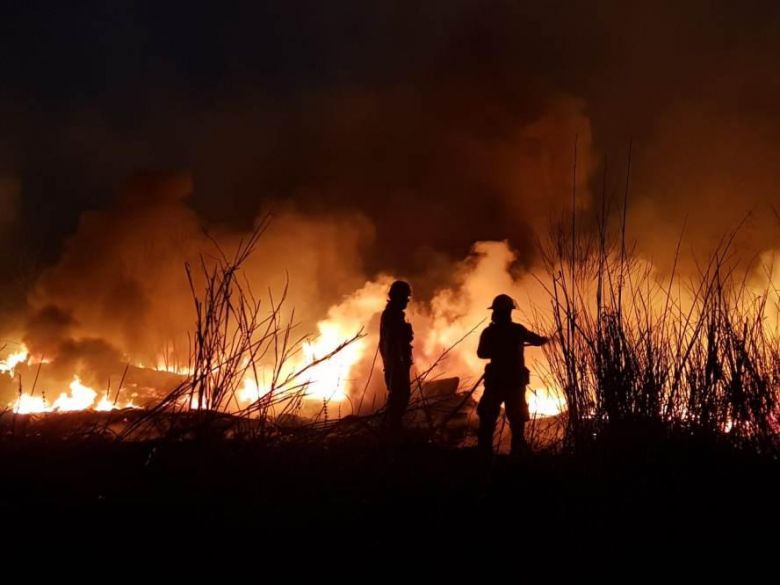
(535, 339)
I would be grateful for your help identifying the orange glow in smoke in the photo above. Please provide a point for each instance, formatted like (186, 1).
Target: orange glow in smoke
(333, 379)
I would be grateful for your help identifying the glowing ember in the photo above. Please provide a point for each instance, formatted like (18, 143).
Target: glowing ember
(172, 368)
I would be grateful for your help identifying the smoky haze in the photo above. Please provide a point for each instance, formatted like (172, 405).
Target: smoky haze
(387, 137)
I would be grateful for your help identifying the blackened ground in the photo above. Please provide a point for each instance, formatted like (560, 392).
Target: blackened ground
(222, 496)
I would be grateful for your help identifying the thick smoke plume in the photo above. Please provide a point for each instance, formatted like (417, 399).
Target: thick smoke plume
(387, 140)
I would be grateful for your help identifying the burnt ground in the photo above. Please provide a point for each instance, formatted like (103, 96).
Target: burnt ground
(216, 496)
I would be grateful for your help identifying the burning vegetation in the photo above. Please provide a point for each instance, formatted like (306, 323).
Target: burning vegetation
(631, 349)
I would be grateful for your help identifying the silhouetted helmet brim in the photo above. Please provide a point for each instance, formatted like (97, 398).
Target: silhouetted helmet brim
(400, 289)
(503, 303)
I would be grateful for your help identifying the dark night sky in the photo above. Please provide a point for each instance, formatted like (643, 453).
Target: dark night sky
(367, 105)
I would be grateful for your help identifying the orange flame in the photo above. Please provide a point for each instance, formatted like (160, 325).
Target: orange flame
(451, 315)
(79, 397)
(8, 365)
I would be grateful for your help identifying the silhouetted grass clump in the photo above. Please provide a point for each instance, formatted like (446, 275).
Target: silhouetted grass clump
(638, 354)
